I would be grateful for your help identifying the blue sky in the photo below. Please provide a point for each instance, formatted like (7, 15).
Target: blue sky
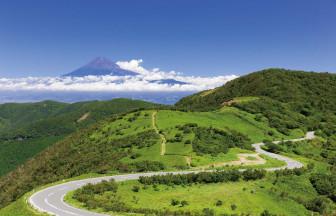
(196, 37)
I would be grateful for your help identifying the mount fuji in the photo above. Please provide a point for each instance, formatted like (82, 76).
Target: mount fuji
(100, 67)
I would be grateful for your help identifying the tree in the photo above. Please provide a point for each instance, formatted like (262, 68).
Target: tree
(136, 188)
(184, 203)
(219, 203)
(174, 202)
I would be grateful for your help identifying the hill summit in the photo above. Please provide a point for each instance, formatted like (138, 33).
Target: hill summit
(101, 66)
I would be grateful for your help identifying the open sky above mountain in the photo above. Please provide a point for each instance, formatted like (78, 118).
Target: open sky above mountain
(202, 38)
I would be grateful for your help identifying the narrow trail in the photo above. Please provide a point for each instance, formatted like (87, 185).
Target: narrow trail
(51, 199)
(163, 138)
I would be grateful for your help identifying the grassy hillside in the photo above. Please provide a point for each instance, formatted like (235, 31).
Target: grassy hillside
(47, 118)
(314, 89)
(29, 128)
(134, 142)
(211, 129)
(286, 99)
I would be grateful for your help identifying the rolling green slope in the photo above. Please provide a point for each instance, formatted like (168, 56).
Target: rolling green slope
(27, 129)
(47, 118)
(131, 143)
(287, 99)
(209, 128)
(298, 87)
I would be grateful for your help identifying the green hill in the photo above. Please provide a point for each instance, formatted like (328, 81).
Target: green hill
(209, 129)
(286, 99)
(315, 90)
(28, 128)
(134, 142)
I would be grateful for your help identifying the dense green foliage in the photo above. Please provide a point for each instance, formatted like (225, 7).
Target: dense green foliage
(26, 129)
(203, 177)
(77, 154)
(315, 90)
(214, 141)
(325, 184)
(49, 118)
(316, 149)
(322, 178)
(287, 99)
(13, 153)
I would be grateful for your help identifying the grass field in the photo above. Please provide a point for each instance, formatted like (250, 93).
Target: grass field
(179, 154)
(249, 197)
(252, 197)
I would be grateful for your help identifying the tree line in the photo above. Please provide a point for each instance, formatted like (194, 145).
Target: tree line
(204, 177)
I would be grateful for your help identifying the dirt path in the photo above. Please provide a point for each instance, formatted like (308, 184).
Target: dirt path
(188, 160)
(243, 160)
(163, 139)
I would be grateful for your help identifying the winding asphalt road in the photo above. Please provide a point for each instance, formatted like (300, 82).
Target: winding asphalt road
(51, 200)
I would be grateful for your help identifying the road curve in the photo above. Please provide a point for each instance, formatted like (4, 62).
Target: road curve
(51, 200)
(290, 163)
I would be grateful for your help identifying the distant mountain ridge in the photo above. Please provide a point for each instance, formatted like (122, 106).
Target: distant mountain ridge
(101, 66)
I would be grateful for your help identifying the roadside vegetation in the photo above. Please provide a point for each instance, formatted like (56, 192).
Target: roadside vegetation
(251, 192)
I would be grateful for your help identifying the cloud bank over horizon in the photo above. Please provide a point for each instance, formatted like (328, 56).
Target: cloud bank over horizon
(149, 80)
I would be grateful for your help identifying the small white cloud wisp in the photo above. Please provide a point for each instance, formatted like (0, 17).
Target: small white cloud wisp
(147, 80)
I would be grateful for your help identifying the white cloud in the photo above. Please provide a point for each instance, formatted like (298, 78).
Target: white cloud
(142, 82)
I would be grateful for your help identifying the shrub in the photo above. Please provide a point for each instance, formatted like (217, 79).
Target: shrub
(233, 207)
(174, 202)
(250, 174)
(184, 203)
(202, 177)
(214, 141)
(208, 212)
(318, 204)
(325, 184)
(267, 213)
(219, 203)
(274, 148)
(135, 188)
